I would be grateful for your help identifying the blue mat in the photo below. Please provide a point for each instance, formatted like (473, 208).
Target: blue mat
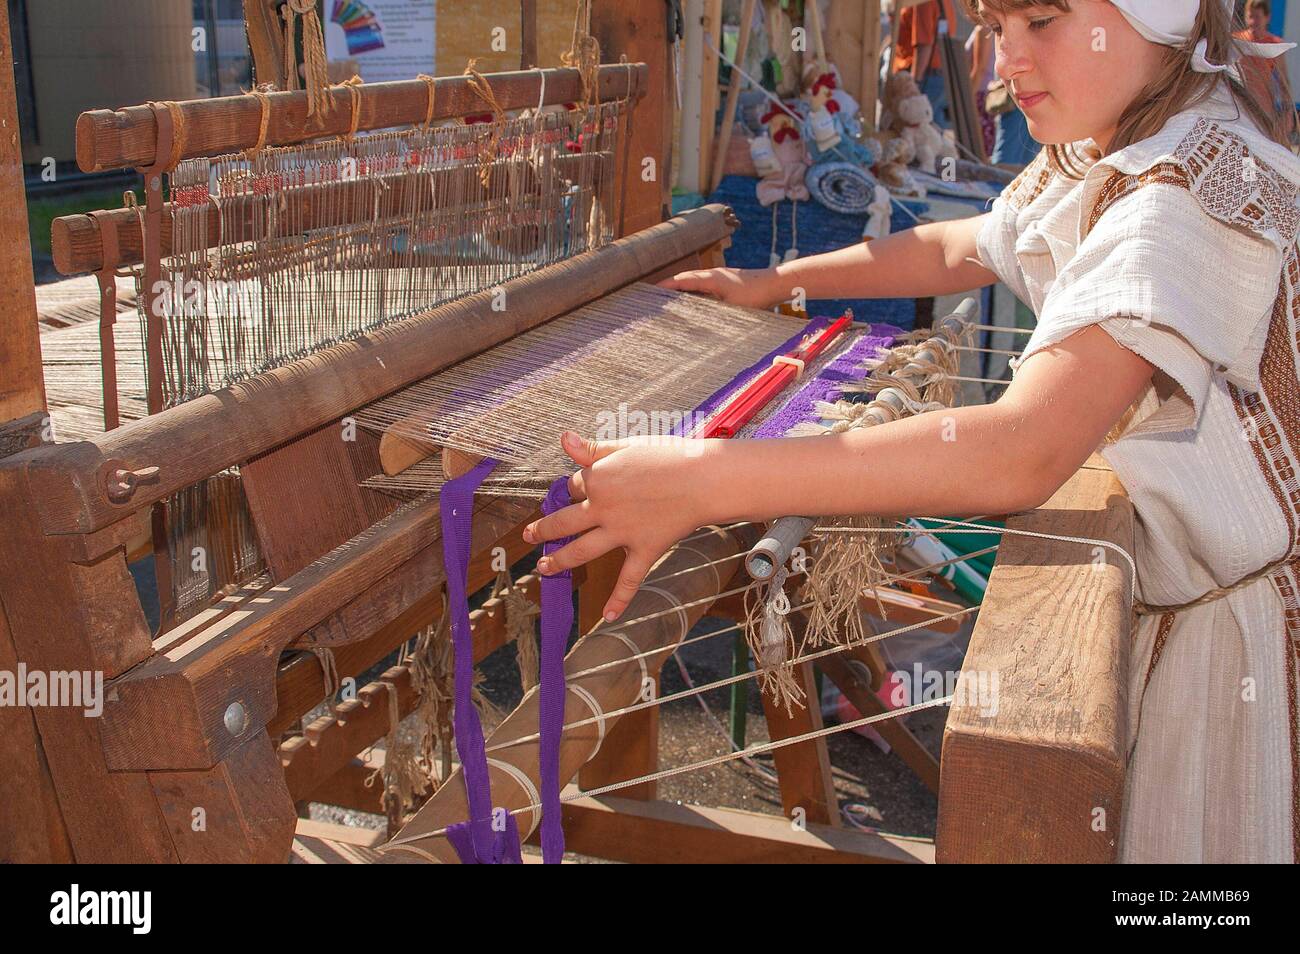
(820, 230)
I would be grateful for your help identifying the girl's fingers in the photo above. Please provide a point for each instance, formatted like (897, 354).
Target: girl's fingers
(582, 550)
(567, 522)
(578, 485)
(683, 281)
(635, 567)
(586, 452)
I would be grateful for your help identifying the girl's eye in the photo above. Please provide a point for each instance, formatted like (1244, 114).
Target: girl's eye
(1041, 24)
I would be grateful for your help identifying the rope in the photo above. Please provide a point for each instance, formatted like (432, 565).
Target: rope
(430, 82)
(353, 86)
(264, 121)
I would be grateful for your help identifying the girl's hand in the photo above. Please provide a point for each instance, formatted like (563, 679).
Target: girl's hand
(750, 287)
(635, 494)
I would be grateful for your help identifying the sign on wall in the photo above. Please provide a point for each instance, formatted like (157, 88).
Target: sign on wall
(388, 39)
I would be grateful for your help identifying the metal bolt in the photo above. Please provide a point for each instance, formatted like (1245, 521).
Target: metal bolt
(236, 718)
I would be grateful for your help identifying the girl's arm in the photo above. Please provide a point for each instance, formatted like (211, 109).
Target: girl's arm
(932, 259)
(647, 494)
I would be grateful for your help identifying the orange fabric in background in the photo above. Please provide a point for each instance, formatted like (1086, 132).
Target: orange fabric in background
(918, 26)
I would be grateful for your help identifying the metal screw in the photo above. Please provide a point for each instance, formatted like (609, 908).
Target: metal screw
(236, 718)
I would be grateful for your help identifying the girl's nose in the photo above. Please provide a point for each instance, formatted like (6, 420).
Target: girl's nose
(1011, 60)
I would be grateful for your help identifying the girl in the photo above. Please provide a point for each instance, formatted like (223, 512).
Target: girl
(1155, 237)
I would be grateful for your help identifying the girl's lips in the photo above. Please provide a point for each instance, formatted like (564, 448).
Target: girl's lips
(1027, 100)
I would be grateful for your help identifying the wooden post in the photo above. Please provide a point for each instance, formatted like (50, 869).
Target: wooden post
(712, 25)
(528, 34)
(869, 88)
(733, 94)
(265, 41)
(640, 32)
(22, 385)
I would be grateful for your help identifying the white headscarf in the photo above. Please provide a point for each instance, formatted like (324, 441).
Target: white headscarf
(1170, 23)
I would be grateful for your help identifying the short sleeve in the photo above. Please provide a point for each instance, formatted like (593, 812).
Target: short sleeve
(995, 246)
(1186, 292)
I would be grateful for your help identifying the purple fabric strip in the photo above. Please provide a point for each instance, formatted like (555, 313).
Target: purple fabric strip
(505, 849)
(714, 400)
(846, 368)
(474, 840)
(557, 621)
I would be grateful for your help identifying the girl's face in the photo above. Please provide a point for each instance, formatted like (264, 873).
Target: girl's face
(1072, 73)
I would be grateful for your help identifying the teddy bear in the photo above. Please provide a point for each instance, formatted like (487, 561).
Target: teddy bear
(911, 116)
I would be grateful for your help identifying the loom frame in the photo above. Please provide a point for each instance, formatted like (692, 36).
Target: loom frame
(123, 788)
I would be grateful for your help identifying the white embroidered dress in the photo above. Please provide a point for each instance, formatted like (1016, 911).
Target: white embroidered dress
(1183, 248)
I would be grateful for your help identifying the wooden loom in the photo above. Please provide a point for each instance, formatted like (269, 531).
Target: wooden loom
(196, 711)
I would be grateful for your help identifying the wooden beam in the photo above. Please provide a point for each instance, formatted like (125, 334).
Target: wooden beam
(77, 245)
(1033, 766)
(200, 437)
(298, 682)
(171, 712)
(22, 383)
(640, 832)
(128, 138)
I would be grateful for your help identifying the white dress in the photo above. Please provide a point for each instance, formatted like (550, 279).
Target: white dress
(1184, 248)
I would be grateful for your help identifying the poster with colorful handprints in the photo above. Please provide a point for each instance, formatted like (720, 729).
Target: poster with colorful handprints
(388, 39)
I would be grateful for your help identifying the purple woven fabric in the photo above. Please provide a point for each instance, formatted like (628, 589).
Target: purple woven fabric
(845, 368)
(711, 403)
(474, 840)
(557, 621)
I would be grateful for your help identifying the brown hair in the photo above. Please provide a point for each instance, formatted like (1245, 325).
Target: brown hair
(1175, 88)
(1253, 5)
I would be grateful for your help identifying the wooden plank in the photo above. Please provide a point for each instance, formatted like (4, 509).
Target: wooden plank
(857, 689)
(306, 497)
(170, 712)
(265, 41)
(51, 610)
(640, 32)
(33, 831)
(22, 384)
(212, 432)
(235, 813)
(712, 27)
(128, 138)
(655, 832)
(803, 770)
(322, 843)
(1025, 778)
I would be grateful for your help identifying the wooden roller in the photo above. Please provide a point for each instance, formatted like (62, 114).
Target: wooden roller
(611, 688)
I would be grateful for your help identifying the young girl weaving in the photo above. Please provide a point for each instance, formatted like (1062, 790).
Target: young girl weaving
(1155, 237)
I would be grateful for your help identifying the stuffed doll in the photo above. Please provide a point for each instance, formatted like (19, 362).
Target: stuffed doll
(830, 138)
(787, 181)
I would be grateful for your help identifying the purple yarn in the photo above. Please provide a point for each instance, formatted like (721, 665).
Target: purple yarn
(474, 840)
(557, 621)
(845, 368)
